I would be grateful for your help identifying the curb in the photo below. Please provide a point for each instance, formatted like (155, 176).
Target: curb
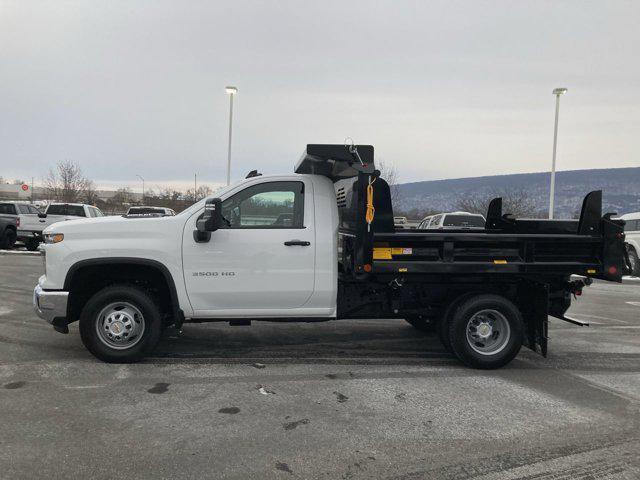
(19, 252)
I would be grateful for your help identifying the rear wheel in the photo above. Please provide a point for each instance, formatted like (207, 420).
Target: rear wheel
(120, 324)
(486, 331)
(634, 262)
(9, 239)
(443, 324)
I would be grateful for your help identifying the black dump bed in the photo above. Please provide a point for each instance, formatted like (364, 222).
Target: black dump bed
(592, 246)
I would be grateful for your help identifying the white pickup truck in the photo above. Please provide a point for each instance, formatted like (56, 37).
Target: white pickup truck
(60, 212)
(317, 245)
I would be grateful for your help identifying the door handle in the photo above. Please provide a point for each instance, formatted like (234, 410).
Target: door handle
(301, 243)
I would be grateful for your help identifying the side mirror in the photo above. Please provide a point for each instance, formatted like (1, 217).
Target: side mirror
(210, 221)
(42, 215)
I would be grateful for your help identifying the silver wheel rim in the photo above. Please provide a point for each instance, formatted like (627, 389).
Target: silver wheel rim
(120, 325)
(488, 332)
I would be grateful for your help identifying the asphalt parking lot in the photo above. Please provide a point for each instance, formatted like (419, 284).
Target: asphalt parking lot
(351, 399)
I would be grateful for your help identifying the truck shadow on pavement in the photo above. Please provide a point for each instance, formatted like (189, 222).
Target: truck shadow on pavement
(327, 342)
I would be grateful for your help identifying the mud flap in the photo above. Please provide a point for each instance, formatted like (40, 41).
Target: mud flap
(534, 305)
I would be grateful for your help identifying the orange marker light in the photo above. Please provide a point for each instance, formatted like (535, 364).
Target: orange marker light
(367, 267)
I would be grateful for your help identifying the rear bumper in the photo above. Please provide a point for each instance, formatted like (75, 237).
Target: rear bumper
(50, 305)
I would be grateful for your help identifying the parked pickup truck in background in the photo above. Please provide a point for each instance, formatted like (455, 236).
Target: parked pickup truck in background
(60, 212)
(8, 230)
(29, 226)
(143, 211)
(320, 244)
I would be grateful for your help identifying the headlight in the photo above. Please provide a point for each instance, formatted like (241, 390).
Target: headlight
(53, 237)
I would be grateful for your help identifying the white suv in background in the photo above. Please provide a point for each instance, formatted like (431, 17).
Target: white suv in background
(456, 220)
(29, 226)
(632, 239)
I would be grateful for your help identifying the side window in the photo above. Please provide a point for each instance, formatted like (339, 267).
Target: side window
(266, 205)
(33, 210)
(435, 221)
(23, 209)
(98, 212)
(92, 212)
(59, 209)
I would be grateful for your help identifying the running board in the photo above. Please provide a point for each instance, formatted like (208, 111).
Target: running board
(575, 321)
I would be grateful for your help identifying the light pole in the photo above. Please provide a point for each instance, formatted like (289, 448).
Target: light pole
(231, 91)
(552, 191)
(142, 186)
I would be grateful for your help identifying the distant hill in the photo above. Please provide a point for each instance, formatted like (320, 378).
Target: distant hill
(620, 186)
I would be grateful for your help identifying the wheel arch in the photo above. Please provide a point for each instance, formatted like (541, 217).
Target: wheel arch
(130, 269)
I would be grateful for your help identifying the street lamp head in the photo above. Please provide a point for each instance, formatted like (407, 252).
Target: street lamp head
(231, 90)
(559, 91)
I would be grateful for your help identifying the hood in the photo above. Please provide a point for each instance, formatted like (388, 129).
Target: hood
(109, 226)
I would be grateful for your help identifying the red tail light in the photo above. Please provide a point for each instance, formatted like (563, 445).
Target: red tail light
(612, 270)
(18, 222)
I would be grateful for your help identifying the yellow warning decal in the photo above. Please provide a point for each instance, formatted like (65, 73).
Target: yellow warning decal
(591, 270)
(401, 251)
(381, 253)
(500, 262)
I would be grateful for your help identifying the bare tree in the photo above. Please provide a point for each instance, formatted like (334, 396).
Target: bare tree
(90, 194)
(123, 196)
(389, 173)
(66, 182)
(515, 202)
(202, 192)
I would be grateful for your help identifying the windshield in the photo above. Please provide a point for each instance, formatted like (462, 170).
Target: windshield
(457, 220)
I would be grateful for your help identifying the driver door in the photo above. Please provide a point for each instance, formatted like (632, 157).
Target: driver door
(263, 258)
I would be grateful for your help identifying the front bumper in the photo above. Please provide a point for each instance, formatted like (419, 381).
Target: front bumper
(50, 305)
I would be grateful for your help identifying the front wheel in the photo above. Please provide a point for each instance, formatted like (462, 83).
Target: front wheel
(120, 324)
(32, 244)
(486, 331)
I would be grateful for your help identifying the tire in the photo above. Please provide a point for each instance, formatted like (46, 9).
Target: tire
(120, 324)
(421, 324)
(486, 331)
(8, 240)
(634, 262)
(443, 324)
(32, 244)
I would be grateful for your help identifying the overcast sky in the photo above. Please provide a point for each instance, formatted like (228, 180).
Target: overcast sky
(441, 89)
